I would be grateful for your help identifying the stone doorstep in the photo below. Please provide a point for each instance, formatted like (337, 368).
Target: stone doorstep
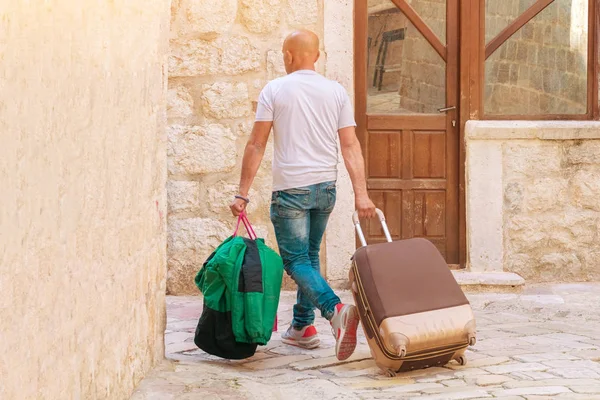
(471, 282)
(481, 282)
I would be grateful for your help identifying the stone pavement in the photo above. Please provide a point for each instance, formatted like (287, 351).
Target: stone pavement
(541, 344)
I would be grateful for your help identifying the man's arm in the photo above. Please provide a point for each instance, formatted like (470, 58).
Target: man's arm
(253, 155)
(355, 164)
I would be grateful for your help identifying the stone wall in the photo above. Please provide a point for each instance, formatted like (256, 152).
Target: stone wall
(541, 69)
(532, 201)
(552, 209)
(222, 55)
(82, 170)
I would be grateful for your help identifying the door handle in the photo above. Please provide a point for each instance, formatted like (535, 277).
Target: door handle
(446, 109)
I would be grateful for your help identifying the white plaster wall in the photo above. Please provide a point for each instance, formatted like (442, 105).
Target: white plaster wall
(485, 248)
(82, 221)
(339, 46)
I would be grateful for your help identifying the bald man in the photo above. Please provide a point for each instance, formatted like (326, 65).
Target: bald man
(308, 114)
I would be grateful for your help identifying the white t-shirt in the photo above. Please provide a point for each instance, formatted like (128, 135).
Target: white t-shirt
(307, 110)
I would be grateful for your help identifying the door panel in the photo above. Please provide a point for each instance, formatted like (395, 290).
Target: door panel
(431, 150)
(406, 70)
(385, 159)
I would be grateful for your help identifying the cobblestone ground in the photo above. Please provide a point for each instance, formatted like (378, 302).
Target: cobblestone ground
(541, 344)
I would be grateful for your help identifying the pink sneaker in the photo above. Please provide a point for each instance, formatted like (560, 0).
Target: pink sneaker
(344, 325)
(306, 338)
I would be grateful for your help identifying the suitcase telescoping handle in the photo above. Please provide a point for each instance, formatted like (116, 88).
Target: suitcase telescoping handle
(359, 231)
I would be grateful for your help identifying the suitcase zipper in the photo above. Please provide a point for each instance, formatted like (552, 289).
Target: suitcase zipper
(379, 340)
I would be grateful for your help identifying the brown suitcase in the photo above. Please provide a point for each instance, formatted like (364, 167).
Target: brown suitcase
(412, 310)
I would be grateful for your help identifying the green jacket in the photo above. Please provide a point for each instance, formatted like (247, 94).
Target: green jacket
(243, 277)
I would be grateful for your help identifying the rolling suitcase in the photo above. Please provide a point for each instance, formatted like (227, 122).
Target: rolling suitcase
(412, 310)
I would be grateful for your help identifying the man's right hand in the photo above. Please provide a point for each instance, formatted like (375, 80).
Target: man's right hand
(365, 206)
(237, 207)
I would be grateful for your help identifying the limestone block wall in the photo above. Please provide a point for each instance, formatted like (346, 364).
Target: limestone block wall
(222, 53)
(533, 191)
(83, 173)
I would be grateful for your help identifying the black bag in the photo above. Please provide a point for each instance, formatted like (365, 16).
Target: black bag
(214, 335)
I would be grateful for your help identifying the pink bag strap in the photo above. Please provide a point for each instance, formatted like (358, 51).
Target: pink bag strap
(237, 226)
(248, 226)
(243, 218)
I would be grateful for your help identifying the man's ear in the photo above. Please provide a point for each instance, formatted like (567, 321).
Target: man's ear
(288, 57)
(317, 56)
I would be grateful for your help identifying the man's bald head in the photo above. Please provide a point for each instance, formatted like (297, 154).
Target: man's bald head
(301, 41)
(300, 50)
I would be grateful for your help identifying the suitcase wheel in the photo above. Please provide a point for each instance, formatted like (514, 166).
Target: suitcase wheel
(462, 360)
(472, 341)
(389, 372)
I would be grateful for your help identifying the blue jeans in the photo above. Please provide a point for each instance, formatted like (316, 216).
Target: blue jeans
(300, 217)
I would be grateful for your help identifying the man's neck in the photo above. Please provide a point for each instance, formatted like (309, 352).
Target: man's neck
(304, 68)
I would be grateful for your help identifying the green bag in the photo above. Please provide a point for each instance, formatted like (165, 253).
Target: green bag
(241, 281)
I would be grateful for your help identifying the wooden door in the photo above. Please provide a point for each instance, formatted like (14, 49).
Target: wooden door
(406, 68)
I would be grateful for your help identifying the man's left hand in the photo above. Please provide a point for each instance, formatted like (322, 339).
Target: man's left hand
(365, 207)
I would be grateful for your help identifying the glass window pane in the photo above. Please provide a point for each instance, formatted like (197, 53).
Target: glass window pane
(405, 74)
(500, 13)
(432, 12)
(542, 69)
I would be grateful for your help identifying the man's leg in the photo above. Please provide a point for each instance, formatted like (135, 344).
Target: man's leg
(344, 321)
(290, 214)
(302, 332)
(304, 308)
(304, 311)
(305, 335)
